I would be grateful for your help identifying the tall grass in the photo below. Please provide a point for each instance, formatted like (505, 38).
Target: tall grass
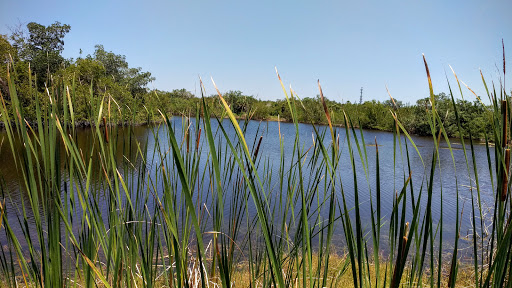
(203, 206)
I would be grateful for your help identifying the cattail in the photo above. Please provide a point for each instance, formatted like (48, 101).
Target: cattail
(406, 234)
(106, 130)
(198, 139)
(187, 136)
(404, 242)
(257, 149)
(2, 205)
(505, 175)
(504, 112)
(503, 46)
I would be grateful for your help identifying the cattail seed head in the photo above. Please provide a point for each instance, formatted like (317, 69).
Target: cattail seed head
(504, 187)
(105, 127)
(198, 139)
(257, 148)
(504, 113)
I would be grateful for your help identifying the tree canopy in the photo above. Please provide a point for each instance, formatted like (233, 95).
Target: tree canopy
(117, 67)
(41, 46)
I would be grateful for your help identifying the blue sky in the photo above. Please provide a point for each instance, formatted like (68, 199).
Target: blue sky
(345, 44)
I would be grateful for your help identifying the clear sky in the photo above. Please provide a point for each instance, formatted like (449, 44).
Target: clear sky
(345, 44)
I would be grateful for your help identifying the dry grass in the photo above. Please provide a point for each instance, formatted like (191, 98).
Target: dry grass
(339, 275)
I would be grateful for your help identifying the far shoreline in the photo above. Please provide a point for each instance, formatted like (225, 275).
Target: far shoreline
(88, 124)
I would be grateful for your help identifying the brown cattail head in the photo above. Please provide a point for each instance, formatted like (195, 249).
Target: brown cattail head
(404, 242)
(187, 136)
(503, 46)
(105, 127)
(257, 149)
(504, 113)
(2, 205)
(198, 139)
(504, 187)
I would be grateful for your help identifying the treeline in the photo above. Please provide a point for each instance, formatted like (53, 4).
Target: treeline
(33, 57)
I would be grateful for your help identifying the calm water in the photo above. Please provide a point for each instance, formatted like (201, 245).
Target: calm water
(391, 168)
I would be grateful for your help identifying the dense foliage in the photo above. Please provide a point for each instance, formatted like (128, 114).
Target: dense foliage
(106, 74)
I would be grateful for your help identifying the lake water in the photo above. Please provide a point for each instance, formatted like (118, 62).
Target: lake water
(392, 168)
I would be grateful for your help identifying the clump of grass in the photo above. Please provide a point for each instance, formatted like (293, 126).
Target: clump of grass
(119, 213)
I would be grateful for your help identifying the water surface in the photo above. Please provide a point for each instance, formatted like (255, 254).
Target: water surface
(393, 164)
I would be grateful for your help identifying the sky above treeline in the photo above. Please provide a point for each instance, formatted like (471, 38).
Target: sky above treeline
(345, 44)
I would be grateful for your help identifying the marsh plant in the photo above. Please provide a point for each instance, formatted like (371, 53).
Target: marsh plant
(205, 207)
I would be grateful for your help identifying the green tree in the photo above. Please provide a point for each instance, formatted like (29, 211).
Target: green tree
(239, 103)
(181, 93)
(42, 47)
(6, 53)
(394, 104)
(116, 67)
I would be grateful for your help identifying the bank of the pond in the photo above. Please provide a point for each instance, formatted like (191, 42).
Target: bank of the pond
(339, 274)
(89, 124)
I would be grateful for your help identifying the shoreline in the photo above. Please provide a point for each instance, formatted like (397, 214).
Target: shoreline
(87, 124)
